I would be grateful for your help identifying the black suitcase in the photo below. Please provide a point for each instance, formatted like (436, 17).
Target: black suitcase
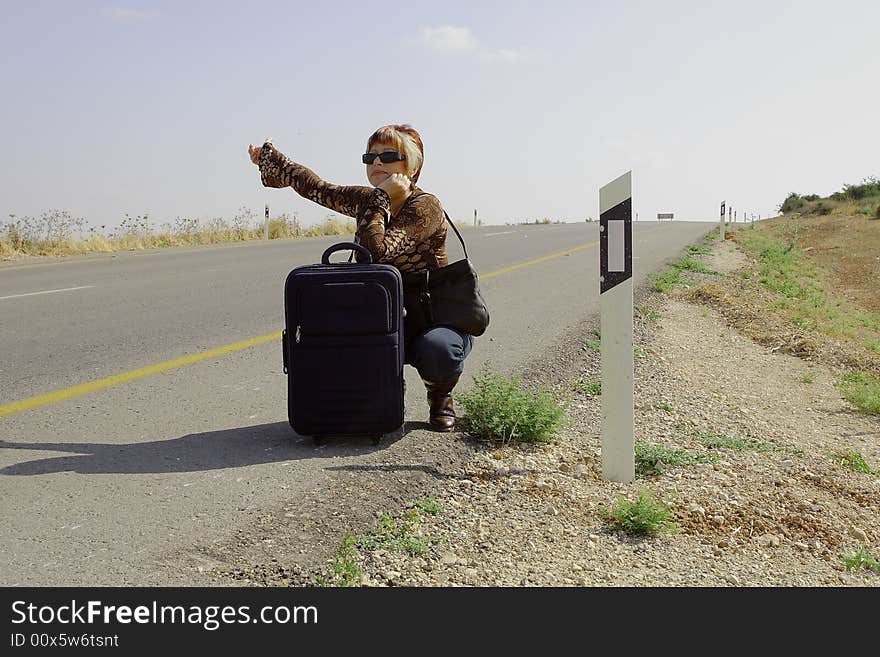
(343, 347)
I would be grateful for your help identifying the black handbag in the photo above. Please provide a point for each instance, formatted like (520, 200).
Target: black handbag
(447, 296)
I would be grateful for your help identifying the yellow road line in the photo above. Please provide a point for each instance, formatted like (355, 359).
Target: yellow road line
(124, 377)
(536, 260)
(100, 384)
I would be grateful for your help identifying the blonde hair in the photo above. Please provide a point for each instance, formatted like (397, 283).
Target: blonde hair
(405, 139)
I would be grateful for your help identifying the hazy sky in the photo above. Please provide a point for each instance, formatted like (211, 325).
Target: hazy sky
(525, 108)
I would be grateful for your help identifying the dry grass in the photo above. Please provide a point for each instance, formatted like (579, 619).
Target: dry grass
(809, 289)
(57, 233)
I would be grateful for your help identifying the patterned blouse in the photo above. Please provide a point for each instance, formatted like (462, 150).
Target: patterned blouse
(414, 239)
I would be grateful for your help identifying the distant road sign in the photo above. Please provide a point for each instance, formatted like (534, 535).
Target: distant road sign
(665, 215)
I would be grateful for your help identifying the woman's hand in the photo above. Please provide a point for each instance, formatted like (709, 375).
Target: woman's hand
(254, 152)
(397, 185)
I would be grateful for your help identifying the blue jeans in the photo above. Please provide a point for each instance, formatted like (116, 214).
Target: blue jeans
(438, 353)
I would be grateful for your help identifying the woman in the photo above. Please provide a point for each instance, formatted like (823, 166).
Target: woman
(398, 224)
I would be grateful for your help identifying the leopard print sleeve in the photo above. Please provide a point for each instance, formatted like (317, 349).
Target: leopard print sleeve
(412, 240)
(278, 170)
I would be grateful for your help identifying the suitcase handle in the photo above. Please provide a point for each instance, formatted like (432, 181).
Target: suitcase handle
(345, 246)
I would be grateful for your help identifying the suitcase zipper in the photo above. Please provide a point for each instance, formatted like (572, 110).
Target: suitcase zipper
(298, 333)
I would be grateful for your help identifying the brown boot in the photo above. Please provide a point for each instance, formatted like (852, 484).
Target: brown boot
(442, 412)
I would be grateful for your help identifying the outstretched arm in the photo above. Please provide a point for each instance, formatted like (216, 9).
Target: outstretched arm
(278, 170)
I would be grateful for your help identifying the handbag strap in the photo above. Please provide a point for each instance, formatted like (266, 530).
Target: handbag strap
(463, 247)
(457, 234)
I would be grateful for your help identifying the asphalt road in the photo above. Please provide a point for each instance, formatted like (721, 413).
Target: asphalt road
(109, 482)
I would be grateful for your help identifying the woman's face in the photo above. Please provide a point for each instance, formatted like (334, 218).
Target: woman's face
(378, 170)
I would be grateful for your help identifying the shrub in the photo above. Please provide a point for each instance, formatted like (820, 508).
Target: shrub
(645, 516)
(497, 409)
(855, 192)
(868, 187)
(16, 242)
(792, 203)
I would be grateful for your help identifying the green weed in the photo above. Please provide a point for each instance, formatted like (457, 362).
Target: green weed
(344, 570)
(498, 409)
(869, 321)
(397, 534)
(645, 516)
(717, 441)
(862, 559)
(854, 461)
(650, 459)
(862, 390)
(689, 264)
(429, 505)
(667, 281)
(591, 388)
(802, 297)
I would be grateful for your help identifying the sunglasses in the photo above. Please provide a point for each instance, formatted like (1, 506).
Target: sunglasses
(386, 158)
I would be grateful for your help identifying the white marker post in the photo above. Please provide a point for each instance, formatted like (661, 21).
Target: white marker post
(616, 326)
(266, 231)
(721, 222)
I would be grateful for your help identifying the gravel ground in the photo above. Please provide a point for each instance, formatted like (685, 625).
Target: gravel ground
(521, 515)
(531, 515)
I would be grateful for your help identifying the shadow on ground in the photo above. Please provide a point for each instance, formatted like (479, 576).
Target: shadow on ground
(197, 452)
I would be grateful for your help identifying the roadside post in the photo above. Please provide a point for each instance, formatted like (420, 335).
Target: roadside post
(616, 327)
(721, 222)
(266, 224)
(475, 217)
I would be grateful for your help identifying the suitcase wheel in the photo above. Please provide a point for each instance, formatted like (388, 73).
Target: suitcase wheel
(319, 440)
